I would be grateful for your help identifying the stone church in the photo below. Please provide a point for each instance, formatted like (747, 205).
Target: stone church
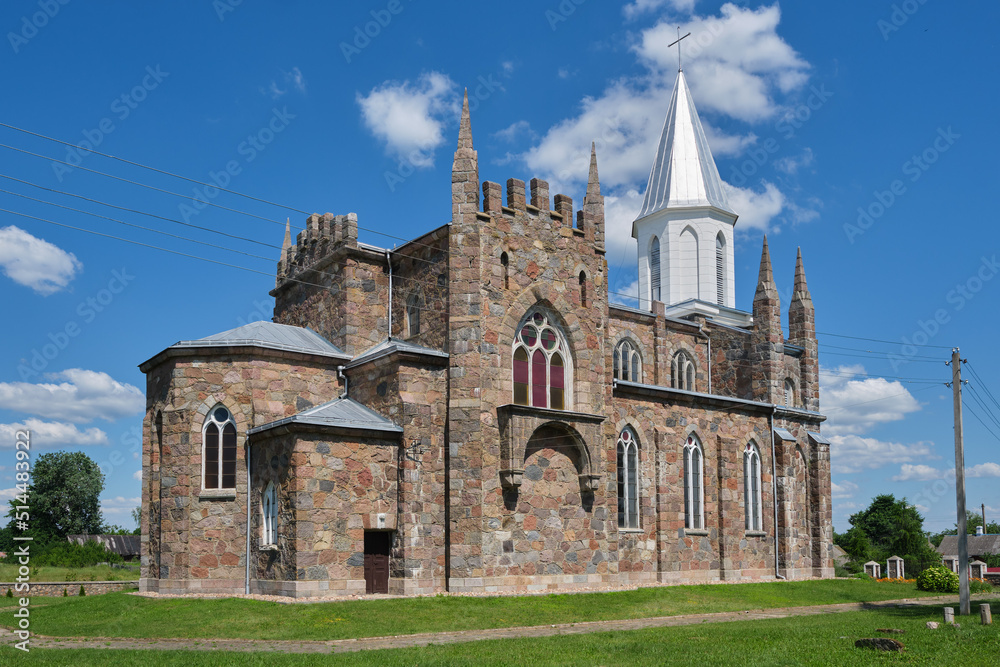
(469, 412)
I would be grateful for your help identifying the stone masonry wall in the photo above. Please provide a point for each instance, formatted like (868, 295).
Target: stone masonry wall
(420, 271)
(201, 534)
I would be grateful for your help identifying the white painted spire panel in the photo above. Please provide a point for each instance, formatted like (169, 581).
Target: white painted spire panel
(684, 174)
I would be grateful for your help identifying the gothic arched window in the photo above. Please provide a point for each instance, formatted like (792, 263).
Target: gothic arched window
(627, 362)
(654, 269)
(628, 480)
(218, 437)
(541, 364)
(789, 393)
(269, 514)
(413, 314)
(751, 487)
(694, 491)
(682, 372)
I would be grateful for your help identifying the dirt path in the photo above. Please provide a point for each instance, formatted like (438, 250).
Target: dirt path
(425, 639)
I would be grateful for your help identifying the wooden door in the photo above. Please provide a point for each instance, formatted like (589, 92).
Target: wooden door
(377, 547)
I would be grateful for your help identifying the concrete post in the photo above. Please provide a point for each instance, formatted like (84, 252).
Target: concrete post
(949, 614)
(985, 615)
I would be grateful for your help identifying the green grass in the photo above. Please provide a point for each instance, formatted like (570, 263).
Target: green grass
(45, 573)
(812, 640)
(123, 615)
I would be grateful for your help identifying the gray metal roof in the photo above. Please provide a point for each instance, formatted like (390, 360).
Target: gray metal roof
(979, 545)
(390, 346)
(684, 174)
(784, 434)
(338, 413)
(272, 336)
(123, 545)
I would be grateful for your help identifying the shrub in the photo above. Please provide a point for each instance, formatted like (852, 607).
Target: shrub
(938, 579)
(980, 586)
(83, 591)
(66, 554)
(65, 593)
(10, 592)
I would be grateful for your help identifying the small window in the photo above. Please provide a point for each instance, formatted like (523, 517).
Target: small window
(627, 362)
(682, 372)
(269, 512)
(628, 480)
(751, 487)
(789, 393)
(694, 492)
(720, 269)
(654, 269)
(505, 263)
(413, 314)
(583, 289)
(219, 450)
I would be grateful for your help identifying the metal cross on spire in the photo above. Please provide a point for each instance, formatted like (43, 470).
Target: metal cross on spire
(678, 43)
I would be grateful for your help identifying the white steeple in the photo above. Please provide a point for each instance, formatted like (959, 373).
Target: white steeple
(686, 215)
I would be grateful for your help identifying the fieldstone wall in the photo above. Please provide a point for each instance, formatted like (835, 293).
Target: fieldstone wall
(420, 272)
(333, 285)
(72, 588)
(191, 534)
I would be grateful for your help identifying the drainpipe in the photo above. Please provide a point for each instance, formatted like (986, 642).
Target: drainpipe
(249, 474)
(774, 490)
(340, 374)
(388, 260)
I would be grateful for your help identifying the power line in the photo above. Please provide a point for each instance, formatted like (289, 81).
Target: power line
(876, 352)
(982, 404)
(139, 212)
(973, 413)
(879, 340)
(130, 224)
(983, 384)
(143, 185)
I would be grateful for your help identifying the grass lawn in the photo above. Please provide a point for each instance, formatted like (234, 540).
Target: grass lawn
(123, 615)
(45, 573)
(811, 640)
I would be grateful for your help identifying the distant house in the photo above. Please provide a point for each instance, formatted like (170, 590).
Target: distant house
(979, 546)
(126, 546)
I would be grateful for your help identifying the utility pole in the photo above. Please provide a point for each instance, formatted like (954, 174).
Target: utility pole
(963, 537)
(983, 508)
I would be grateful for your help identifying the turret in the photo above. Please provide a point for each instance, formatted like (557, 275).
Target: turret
(593, 202)
(465, 172)
(802, 332)
(766, 340)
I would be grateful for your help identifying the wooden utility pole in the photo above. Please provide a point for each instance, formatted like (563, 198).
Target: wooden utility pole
(963, 537)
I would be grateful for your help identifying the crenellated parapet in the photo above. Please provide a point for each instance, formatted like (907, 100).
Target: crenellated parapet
(323, 235)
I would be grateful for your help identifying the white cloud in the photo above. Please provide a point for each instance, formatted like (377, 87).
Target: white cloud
(921, 473)
(983, 470)
(137, 475)
(512, 131)
(924, 473)
(293, 79)
(640, 7)
(737, 61)
(845, 489)
(410, 118)
(757, 209)
(86, 395)
(36, 263)
(51, 434)
(120, 505)
(857, 405)
(853, 453)
(791, 165)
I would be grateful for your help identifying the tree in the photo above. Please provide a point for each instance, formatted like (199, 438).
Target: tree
(889, 527)
(63, 496)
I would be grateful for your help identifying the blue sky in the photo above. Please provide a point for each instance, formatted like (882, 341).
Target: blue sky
(863, 132)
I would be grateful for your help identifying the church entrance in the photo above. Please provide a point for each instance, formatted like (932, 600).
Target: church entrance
(377, 547)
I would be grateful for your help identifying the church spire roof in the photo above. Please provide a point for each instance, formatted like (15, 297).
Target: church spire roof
(288, 237)
(465, 126)
(684, 174)
(593, 181)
